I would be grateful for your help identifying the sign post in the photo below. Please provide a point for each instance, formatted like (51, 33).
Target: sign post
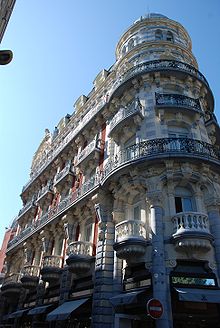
(154, 308)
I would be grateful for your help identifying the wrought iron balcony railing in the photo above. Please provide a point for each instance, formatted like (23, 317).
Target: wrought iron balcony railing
(80, 248)
(26, 207)
(142, 151)
(175, 100)
(123, 114)
(89, 149)
(46, 189)
(130, 229)
(190, 222)
(66, 170)
(73, 130)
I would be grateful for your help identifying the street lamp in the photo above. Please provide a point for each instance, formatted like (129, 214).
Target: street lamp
(5, 56)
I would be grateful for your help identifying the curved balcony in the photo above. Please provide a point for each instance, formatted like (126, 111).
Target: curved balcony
(80, 256)
(131, 116)
(11, 287)
(52, 268)
(30, 276)
(64, 177)
(191, 232)
(180, 101)
(131, 239)
(29, 207)
(90, 152)
(45, 195)
(147, 150)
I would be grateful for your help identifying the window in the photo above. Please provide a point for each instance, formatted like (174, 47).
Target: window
(183, 200)
(158, 35)
(169, 36)
(130, 44)
(88, 231)
(123, 50)
(137, 212)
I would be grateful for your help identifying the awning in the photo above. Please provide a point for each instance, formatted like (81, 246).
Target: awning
(127, 298)
(40, 309)
(199, 295)
(63, 311)
(18, 314)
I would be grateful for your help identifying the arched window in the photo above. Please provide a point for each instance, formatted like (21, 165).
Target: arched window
(184, 201)
(130, 44)
(123, 51)
(169, 36)
(158, 35)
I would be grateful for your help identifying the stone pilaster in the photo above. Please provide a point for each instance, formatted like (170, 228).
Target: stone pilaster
(103, 276)
(160, 277)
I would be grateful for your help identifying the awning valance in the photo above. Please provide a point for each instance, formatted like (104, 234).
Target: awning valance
(63, 311)
(18, 314)
(128, 298)
(40, 309)
(199, 295)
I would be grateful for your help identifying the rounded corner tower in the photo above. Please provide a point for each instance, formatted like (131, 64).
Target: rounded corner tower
(123, 201)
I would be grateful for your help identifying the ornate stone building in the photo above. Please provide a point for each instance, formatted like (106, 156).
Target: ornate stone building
(123, 200)
(6, 8)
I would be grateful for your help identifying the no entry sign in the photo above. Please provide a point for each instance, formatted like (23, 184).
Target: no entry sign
(154, 308)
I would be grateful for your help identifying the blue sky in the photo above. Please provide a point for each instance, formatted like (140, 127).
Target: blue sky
(59, 47)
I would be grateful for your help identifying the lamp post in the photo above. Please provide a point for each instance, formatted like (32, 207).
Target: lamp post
(5, 57)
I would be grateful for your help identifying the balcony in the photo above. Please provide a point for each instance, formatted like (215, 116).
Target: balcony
(180, 101)
(154, 149)
(128, 116)
(11, 287)
(191, 232)
(45, 195)
(73, 130)
(64, 177)
(28, 207)
(30, 276)
(131, 239)
(90, 152)
(52, 268)
(80, 256)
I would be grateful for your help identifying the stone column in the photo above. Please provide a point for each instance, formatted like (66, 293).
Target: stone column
(160, 276)
(104, 266)
(214, 224)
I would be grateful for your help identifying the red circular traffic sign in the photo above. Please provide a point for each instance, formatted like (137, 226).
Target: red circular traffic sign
(154, 308)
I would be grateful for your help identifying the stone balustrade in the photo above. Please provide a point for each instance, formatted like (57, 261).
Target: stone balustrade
(130, 229)
(31, 270)
(54, 261)
(190, 222)
(80, 248)
(191, 232)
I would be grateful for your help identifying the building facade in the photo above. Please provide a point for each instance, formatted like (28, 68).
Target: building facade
(6, 8)
(123, 201)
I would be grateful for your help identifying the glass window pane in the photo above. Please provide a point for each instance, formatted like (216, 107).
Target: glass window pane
(187, 204)
(137, 213)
